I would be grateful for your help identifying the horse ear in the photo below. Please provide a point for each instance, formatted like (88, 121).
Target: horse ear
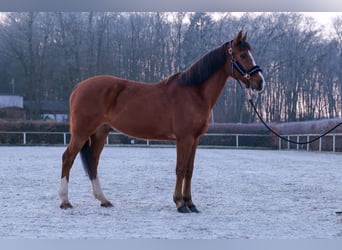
(244, 38)
(238, 37)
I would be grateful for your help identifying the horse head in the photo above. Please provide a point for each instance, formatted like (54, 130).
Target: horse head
(242, 64)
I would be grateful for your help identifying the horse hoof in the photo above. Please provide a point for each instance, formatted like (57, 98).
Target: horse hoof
(107, 204)
(183, 209)
(65, 205)
(193, 209)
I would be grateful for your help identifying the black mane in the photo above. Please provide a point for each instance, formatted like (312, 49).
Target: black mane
(204, 67)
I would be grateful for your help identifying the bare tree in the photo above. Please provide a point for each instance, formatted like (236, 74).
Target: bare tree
(46, 54)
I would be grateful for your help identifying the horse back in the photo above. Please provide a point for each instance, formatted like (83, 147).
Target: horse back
(141, 110)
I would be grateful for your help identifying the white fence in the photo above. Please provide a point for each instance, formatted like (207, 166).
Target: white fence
(115, 138)
(330, 142)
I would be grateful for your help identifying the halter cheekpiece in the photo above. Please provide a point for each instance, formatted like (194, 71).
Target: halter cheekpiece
(235, 64)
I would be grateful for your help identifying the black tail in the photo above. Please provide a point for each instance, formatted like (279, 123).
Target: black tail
(87, 160)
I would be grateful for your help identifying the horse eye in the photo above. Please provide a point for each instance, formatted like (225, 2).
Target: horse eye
(243, 56)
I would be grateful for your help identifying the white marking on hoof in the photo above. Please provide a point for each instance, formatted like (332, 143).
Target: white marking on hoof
(97, 191)
(63, 191)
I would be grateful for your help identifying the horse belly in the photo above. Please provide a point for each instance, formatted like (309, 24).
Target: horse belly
(144, 123)
(143, 131)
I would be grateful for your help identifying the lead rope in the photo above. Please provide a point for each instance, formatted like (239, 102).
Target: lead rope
(284, 138)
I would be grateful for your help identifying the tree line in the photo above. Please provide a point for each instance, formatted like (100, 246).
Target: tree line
(44, 54)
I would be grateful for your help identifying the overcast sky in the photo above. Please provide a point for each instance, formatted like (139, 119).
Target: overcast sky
(324, 18)
(174, 5)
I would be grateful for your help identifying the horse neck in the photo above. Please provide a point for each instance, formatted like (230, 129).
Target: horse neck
(212, 88)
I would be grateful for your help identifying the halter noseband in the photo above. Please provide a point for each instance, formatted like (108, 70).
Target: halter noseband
(235, 64)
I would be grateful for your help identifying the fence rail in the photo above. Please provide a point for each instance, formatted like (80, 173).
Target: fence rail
(331, 142)
(115, 138)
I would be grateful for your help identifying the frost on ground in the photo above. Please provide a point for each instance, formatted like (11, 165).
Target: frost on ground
(241, 194)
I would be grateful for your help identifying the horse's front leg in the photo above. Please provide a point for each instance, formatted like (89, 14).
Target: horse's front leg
(187, 180)
(187, 194)
(186, 149)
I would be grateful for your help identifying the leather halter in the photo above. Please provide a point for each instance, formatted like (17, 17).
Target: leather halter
(235, 64)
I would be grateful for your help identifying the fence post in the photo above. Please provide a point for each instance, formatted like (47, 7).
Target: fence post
(64, 138)
(279, 142)
(334, 142)
(320, 145)
(237, 140)
(24, 138)
(307, 145)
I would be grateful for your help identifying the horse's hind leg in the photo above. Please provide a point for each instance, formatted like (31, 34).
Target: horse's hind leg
(97, 142)
(68, 158)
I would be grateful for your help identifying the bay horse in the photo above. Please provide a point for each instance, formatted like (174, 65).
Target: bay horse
(177, 108)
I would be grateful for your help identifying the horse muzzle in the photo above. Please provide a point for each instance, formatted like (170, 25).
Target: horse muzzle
(257, 86)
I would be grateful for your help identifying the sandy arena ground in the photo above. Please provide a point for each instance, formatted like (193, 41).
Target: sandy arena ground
(242, 194)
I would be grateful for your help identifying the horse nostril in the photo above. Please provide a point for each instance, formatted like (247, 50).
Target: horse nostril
(259, 85)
